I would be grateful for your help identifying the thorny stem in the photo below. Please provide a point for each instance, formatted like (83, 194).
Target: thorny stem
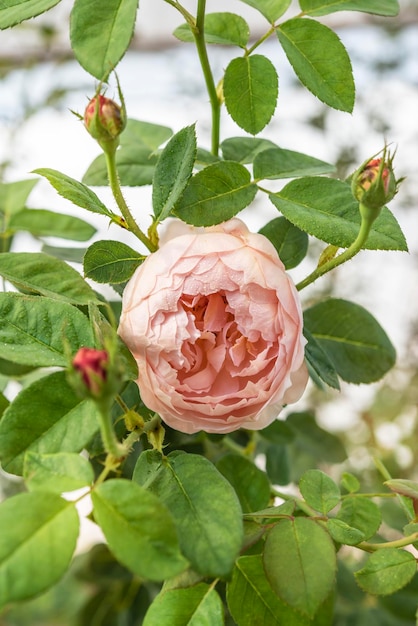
(351, 251)
(111, 443)
(120, 200)
(199, 36)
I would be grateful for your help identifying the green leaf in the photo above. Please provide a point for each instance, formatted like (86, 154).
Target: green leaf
(207, 513)
(226, 29)
(146, 134)
(250, 90)
(290, 242)
(326, 209)
(38, 538)
(349, 482)
(101, 33)
(135, 164)
(300, 551)
(13, 12)
(59, 472)
(386, 571)
(277, 163)
(313, 441)
(14, 370)
(111, 262)
(44, 223)
(199, 605)
(13, 196)
(173, 170)
(138, 528)
(317, 8)
(216, 194)
(250, 483)
(4, 403)
(73, 190)
(244, 149)
(252, 601)
(361, 513)
(278, 465)
(320, 61)
(271, 9)
(319, 490)
(37, 331)
(404, 487)
(63, 423)
(36, 272)
(278, 432)
(357, 345)
(343, 533)
(319, 362)
(73, 255)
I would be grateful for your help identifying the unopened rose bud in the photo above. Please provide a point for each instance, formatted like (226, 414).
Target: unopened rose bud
(104, 120)
(92, 367)
(374, 183)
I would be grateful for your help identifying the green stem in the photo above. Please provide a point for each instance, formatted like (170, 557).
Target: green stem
(355, 247)
(120, 200)
(111, 443)
(260, 41)
(398, 543)
(199, 36)
(301, 504)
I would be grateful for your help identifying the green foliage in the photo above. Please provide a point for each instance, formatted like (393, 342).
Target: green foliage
(354, 342)
(37, 549)
(197, 530)
(226, 29)
(173, 170)
(323, 7)
(386, 571)
(126, 513)
(250, 91)
(44, 223)
(312, 579)
(39, 331)
(109, 26)
(271, 9)
(207, 515)
(199, 604)
(36, 272)
(110, 262)
(13, 12)
(320, 61)
(64, 423)
(290, 242)
(326, 209)
(63, 471)
(74, 191)
(215, 194)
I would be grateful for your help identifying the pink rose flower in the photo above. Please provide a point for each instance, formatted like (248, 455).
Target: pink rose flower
(215, 325)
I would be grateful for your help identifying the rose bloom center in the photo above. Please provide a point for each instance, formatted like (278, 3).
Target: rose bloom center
(218, 354)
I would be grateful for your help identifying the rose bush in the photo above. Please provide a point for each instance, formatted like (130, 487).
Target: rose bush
(215, 325)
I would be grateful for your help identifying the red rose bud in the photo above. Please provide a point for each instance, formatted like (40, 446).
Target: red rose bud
(374, 183)
(92, 366)
(104, 120)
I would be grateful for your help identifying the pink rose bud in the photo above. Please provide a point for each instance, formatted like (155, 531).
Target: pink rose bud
(104, 119)
(92, 366)
(215, 325)
(374, 183)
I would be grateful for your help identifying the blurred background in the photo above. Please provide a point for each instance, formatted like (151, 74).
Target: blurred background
(41, 83)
